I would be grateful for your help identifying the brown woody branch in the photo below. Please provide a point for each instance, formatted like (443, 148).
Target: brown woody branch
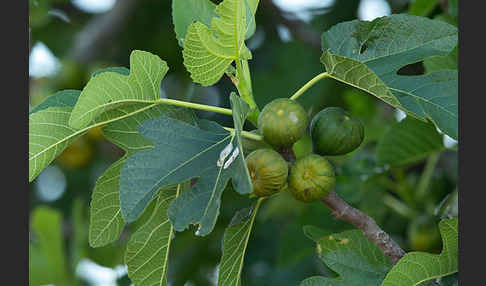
(366, 224)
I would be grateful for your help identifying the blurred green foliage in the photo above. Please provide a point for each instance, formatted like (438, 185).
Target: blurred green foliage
(278, 253)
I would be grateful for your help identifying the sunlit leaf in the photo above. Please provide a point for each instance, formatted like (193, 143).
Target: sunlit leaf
(49, 132)
(408, 141)
(109, 90)
(207, 57)
(416, 268)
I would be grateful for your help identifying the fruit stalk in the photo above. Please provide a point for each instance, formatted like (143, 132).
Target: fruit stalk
(288, 154)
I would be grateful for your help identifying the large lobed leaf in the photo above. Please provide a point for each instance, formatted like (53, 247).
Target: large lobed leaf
(147, 251)
(184, 152)
(408, 141)
(106, 221)
(416, 268)
(368, 55)
(357, 260)
(208, 52)
(65, 116)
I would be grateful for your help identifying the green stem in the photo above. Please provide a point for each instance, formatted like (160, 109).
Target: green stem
(194, 105)
(399, 207)
(246, 134)
(246, 74)
(424, 182)
(403, 189)
(243, 85)
(216, 109)
(309, 84)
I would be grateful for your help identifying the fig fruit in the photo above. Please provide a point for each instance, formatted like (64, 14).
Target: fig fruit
(282, 122)
(335, 132)
(268, 172)
(311, 178)
(424, 235)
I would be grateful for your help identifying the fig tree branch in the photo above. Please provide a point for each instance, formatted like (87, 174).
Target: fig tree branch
(366, 224)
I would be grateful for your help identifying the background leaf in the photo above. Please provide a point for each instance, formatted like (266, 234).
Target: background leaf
(417, 267)
(357, 260)
(109, 90)
(184, 12)
(147, 251)
(368, 55)
(437, 63)
(353, 270)
(408, 141)
(422, 7)
(235, 240)
(47, 262)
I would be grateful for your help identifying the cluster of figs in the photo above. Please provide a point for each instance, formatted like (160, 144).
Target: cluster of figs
(310, 178)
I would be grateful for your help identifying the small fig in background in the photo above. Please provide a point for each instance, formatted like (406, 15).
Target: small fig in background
(335, 132)
(282, 122)
(424, 235)
(311, 178)
(268, 171)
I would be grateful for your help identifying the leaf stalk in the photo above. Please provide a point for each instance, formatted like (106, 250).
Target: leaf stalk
(247, 134)
(204, 107)
(310, 83)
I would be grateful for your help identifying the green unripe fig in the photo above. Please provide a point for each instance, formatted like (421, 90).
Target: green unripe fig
(311, 178)
(335, 132)
(268, 171)
(424, 235)
(282, 122)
